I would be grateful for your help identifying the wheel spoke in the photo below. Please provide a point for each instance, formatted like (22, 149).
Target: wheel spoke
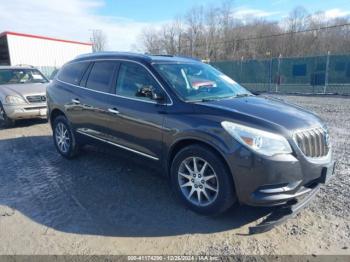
(199, 196)
(189, 183)
(186, 176)
(205, 194)
(195, 168)
(206, 178)
(210, 187)
(203, 168)
(64, 148)
(188, 168)
(191, 193)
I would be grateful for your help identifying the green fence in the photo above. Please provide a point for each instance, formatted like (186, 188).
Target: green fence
(328, 74)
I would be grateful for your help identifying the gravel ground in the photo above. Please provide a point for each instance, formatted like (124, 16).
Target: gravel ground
(109, 202)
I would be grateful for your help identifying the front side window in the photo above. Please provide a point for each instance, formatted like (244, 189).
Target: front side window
(132, 79)
(72, 73)
(21, 76)
(196, 82)
(101, 76)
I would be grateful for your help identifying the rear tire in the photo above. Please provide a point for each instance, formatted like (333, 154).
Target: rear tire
(7, 122)
(64, 138)
(201, 180)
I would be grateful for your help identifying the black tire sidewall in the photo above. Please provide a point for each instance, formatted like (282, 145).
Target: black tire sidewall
(8, 122)
(226, 196)
(73, 147)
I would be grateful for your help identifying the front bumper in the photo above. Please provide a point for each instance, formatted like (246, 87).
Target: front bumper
(274, 181)
(26, 111)
(281, 214)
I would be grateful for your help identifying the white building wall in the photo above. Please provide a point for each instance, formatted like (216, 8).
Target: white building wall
(43, 52)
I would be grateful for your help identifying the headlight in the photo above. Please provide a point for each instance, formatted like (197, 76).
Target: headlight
(263, 142)
(14, 100)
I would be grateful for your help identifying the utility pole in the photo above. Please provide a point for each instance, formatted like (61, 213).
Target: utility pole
(326, 73)
(278, 73)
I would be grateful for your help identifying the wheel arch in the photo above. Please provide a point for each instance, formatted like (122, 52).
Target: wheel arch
(185, 142)
(55, 113)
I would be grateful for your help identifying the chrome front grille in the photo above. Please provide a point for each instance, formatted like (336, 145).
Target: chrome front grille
(36, 99)
(313, 142)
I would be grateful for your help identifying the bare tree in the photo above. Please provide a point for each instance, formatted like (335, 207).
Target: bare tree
(214, 32)
(98, 40)
(151, 41)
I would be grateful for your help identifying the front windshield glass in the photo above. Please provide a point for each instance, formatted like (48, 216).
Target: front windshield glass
(199, 82)
(21, 76)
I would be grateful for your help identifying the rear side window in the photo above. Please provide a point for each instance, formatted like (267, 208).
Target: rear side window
(101, 76)
(72, 73)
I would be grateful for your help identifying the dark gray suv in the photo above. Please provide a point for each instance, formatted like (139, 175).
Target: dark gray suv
(215, 141)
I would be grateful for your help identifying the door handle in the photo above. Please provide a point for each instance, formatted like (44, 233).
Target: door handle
(76, 101)
(113, 111)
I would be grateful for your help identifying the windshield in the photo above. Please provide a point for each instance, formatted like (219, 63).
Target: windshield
(200, 82)
(21, 76)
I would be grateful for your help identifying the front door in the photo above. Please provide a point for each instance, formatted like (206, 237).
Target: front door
(138, 120)
(115, 112)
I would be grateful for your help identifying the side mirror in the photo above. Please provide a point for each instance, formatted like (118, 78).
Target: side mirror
(157, 96)
(152, 93)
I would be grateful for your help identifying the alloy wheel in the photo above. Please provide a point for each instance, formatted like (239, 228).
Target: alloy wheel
(62, 137)
(198, 181)
(2, 113)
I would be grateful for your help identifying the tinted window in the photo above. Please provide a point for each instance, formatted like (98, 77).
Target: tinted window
(72, 73)
(101, 76)
(131, 78)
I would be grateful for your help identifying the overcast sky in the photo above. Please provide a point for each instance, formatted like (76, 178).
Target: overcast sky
(123, 20)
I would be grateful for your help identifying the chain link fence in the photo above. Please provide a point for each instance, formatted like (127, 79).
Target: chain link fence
(328, 74)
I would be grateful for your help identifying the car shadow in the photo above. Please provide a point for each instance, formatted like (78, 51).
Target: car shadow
(102, 192)
(24, 123)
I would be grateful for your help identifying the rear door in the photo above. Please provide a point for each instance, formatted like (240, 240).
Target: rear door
(95, 99)
(69, 90)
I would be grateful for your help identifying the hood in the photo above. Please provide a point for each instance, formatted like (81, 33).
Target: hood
(23, 89)
(264, 109)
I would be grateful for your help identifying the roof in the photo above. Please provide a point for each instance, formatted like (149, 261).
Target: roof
(44, 37)
(136, 56)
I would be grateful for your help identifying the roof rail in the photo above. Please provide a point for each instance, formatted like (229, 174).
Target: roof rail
(165, 55)
(180, 56)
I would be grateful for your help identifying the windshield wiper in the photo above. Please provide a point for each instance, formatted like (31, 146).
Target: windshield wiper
(209, 99)
(243, 95)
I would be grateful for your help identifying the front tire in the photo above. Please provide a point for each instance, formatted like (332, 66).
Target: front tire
(8, 122)
(64, 138)
(201, 180)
